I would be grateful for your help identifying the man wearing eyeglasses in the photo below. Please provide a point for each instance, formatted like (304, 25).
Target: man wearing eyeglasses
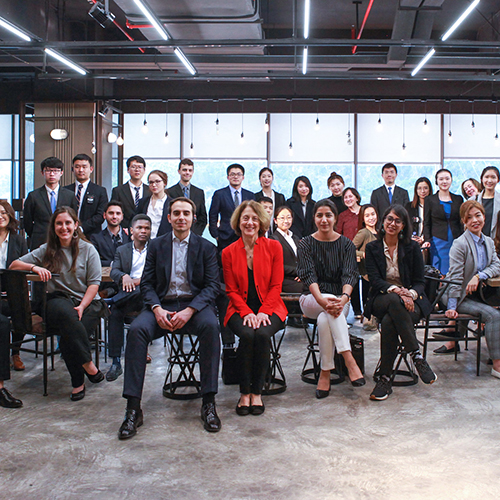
(132, 191)
(43, 202)
(224, 201)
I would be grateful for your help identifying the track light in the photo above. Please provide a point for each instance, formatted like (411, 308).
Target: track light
(153, 19)
(66, 61)
(460, 20)
(14, 29)
(178, 52)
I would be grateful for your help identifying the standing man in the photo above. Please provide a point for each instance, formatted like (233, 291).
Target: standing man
(132, 191)
(186, 189)
(126, 273)
(224, 201)
(91, 198)
(179, 284)
(43, 202)
(389, 193)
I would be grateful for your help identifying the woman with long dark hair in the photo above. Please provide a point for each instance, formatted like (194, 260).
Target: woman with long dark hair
(397, 297)
(73, 307)
(490, 199)
(415, 208)
(302, 206)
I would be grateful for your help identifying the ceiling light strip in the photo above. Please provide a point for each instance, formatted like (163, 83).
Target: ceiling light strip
(304, 61)
(66, 61)
(153, 19)
(460, 20)
(307, 16)
(178, 52)
(14, 29)
(423, 61)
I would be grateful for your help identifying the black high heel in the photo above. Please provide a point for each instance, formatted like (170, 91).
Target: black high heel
(96, 378)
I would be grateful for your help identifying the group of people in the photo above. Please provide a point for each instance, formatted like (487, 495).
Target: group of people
(174, 279)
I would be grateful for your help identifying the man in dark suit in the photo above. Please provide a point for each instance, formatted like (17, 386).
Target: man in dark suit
(179, 284)
(91, 198)
(126, 273)
(43, 202)
(224, 201)
(132, 191)
(389, 193)
(185, 188)
(109, 239)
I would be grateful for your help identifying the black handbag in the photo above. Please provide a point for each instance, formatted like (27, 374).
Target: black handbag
(358, 353)
(230, 368)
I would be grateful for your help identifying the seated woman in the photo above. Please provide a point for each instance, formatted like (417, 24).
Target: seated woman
(73, 309)
(397, 298)
(473, 258)
(253, 273)
(289, 243)
(155, 205)
(327, 266)
(12, 246)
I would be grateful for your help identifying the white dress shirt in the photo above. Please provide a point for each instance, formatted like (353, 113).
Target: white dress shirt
(132, 190)
(155, 214)
(56, 191)
(289, 239)
(138, 261)
(4, 247)
(179, 283)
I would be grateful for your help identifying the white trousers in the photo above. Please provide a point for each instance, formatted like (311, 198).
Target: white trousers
(332, 332)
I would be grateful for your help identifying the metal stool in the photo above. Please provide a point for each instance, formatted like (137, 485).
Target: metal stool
(403, 368)
(181, 367)
(275, 379)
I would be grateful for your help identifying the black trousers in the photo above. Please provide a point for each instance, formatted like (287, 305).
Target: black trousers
(254, 351)
(131, 303)
(145, 329)
(396, 323)
(16, 336)
(292, 286)
(356, 300)
(62, 319)
(4, 347)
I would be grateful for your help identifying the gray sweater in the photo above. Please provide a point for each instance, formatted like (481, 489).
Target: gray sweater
(87, 272)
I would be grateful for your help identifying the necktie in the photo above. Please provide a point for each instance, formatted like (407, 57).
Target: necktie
(53, 201)
(186, 191)
(136, 201)
(79, 193)
(390, 194)
(236, 199)
(116, 241)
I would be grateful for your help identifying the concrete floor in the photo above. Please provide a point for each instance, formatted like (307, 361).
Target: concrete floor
(432, 442)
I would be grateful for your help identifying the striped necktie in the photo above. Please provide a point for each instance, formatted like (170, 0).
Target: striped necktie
(79, 194)
(236, 199)
(186, 191)
(136, 201)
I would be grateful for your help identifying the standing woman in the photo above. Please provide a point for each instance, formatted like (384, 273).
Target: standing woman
(367, 232)
(327, 266)
(155, 205)
(253, 273)
(73, 309)
(12, 246)
(266, 178)
(415, 208)
(397, 296)
(490, 199)
(302, 206)
(336, 185)
(289, 242)
(442, 222)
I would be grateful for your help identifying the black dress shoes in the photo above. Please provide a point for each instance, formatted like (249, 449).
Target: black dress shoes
(7, 400)
(211, 421)
(257, 409)
(358, 382)
(78, 396)
(96, 378)
(133, 420)
(446, 350)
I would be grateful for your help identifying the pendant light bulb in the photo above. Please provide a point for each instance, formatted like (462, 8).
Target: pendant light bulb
(242, 138)
(119, 141)
(145, 128)
(290, 149)
(266, 125)
(316, 126)
(217, 126)
(166, 139)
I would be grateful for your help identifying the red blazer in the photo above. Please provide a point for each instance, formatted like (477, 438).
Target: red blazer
(268, 274)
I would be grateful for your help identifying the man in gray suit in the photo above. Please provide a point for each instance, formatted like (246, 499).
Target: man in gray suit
(186, 189)
(126, 272)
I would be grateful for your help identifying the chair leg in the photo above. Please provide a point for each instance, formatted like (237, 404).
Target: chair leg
(45, 367)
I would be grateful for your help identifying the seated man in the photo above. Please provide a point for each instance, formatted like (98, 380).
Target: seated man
(179, 285)
(6, 398)
(126, 273)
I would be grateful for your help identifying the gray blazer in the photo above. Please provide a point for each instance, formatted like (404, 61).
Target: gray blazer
(496, 209)
(463, 264)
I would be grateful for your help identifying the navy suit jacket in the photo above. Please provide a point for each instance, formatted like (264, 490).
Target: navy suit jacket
(223, 205)
(165, 226)
(122, 193)
(197, 196)
(93, 205)
(37, 213)
(202, 271)
(380, 199)
(105, 247)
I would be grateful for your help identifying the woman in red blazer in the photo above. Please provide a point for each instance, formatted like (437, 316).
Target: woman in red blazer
(253, 273)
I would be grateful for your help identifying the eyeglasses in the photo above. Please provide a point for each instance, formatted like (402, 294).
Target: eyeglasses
(136, 167)
(390, 219)
(155, 182)
(52, 170)
(235, 174)
(284, 218)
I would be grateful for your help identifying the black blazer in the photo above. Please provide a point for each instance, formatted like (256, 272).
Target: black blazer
(37, 213)
(435, 222)
(122, 193)
(17, 248)
(165, 226)
(122, 262)
(105, 247)
(197, 196)
(202, 271)
(279, 199)
(223, 205)
(302, 226)
(414, 217)
(380, 199)
(93, 205)
(289, 257)
(411, 270)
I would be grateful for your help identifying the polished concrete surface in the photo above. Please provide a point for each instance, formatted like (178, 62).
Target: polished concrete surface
(424, 442)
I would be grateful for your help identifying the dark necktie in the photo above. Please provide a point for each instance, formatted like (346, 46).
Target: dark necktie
(236, 199)
(136, 201)
(79, 193)
(116, 241)
(186, 191)
(390, 194)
